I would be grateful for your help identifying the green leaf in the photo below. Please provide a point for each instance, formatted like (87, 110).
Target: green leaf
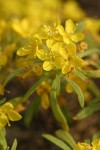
(80, 75)
(91, 73)
(55, 107)
(96, 136)
(88, 52)
(3, 142)
(14, 146)
(77, 91)
(93, 106)
(66, 137)
(94, 88)
(2, 100)
(12, 75)
(15, 100)
(80, 27)
(56, 141)
(31, 111)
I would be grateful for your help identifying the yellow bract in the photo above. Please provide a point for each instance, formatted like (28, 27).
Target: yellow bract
(7, 113)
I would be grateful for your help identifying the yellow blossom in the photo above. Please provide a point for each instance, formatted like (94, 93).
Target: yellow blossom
(1, 90)
(45, 101)
(96, 144)
(7, 113)
(43, 90)
(30, 48)
(92, 25)
(73, 10)
(3, 59)
(69, 34)
(82, 146)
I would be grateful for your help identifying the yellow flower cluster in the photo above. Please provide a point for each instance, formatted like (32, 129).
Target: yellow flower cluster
(55, 46)
(7, 113)
(83, 146)
(43, 90)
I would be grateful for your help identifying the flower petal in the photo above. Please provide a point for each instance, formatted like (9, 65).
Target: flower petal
(42, 54)
(7, 106)
(77, 37)
(49, 43)
(23, 52)
(13, 115)
(78, 62)
(60, 29)
(3, 120)
(71, 49)
(64, 53)
(59, 62)
(65, 68)
(47, 65)
(70, 26)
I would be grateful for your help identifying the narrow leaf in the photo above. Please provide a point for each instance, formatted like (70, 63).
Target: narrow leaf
(80, 26)
(88, 53)
(12, 75)
(66, 137)
(14, 146)
(91, 73)
(31, 111)
(3, 142)
(56, 141)
(55, 107)
(93, 106)
(77, 91)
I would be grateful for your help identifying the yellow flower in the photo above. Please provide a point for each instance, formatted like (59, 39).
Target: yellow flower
(43, 90)
(69, 34)
(96, 144)
(7, 113)
(1, 90)
(3, 59)
(45, 101)
(82, 146)
(31, 47)
(92, 25)
(51, 56)
(73, 10)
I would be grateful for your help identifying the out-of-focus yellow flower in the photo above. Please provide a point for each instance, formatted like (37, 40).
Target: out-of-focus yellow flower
(43, 90)
(45, 101)
(73, 10)
(92, 25)
(3, 59)
(21, 27)
(82, 146)
(1, 90)
(96, 144)
(7, 113)
(37, 69)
